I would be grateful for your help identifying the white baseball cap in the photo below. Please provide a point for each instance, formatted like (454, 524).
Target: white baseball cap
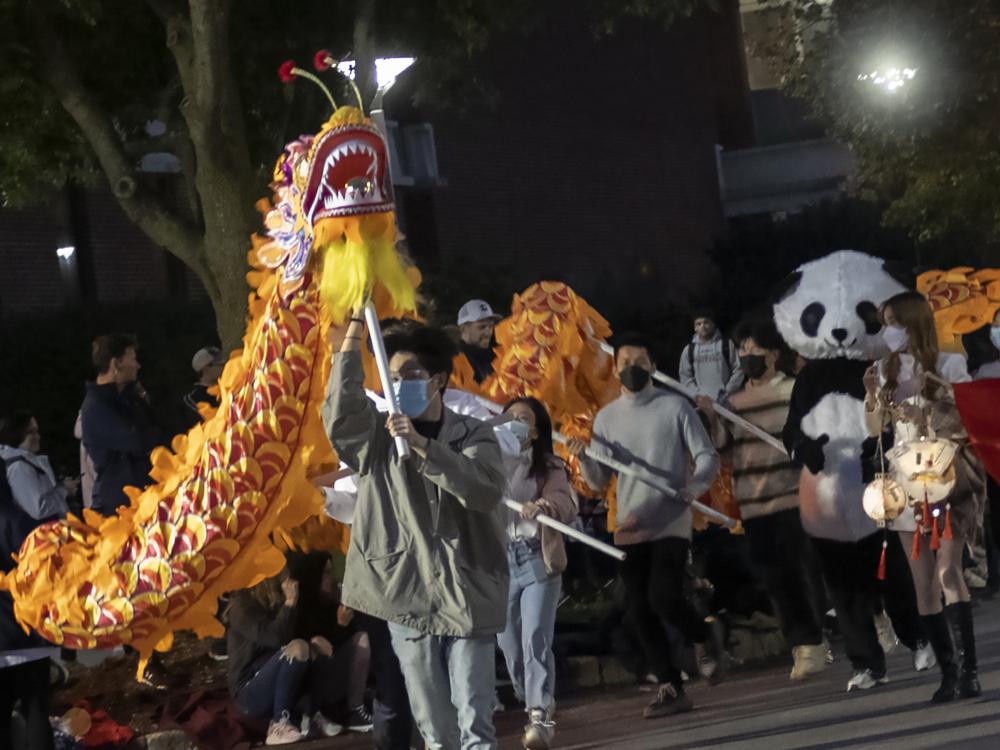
(204, 357)
(475, 310)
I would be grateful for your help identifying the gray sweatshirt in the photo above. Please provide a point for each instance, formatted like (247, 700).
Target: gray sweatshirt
(707, 371)
(660, 432)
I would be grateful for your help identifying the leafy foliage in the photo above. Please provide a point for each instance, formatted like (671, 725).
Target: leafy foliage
(81, 80)
(930, 150)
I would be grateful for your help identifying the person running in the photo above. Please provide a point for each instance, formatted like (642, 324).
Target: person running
(660, 433)
(900, 395)
(536, 556)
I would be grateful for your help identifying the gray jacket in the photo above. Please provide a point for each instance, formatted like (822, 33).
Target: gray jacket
(427, 542)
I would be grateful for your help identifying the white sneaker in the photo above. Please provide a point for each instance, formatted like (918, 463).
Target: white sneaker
(324, 727)
(886, 634)
(923, 658)
(283, 732)
(540, 730)
(865, 680)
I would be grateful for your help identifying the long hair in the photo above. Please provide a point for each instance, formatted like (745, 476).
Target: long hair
(542, 451)
(913, 312)
(267, 594)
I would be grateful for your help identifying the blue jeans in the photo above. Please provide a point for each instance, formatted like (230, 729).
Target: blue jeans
(298, 687)
(451, 683)
(526, 642)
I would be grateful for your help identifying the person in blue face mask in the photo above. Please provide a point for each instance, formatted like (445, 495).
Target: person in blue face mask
(427, 542)
(536, 556)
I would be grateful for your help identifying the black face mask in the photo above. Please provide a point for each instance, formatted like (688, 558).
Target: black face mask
(635, 378)
(754, 365)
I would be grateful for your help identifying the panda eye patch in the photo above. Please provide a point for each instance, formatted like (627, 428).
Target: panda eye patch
(869, 315)
(812, 316)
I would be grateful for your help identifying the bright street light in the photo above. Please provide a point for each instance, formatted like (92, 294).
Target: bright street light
(387, 69)
(891, 79)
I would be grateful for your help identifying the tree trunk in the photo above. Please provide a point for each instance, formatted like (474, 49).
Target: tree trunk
(364, 50)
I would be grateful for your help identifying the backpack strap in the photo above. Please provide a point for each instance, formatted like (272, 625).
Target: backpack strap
(725, 356)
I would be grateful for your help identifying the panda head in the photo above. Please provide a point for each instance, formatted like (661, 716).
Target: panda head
(828, 308)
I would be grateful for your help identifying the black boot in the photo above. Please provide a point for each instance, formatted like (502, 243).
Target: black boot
(939, 633)
(961, 615)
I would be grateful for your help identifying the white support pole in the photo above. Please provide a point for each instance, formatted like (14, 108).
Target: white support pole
(647, 478)
(382, 362)
(569, 531)
(722, 411)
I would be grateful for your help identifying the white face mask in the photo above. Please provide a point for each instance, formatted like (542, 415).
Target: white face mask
(520, 429)
(895, 338)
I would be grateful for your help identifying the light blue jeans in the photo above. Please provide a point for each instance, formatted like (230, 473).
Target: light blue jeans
(451, 683)
(526, 642)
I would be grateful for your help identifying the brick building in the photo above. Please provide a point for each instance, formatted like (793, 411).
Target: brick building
(599, 166)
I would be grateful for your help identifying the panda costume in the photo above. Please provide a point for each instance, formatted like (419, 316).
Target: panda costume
(827, 311)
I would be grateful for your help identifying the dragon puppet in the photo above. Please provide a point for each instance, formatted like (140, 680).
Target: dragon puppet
(233, 493)
(206, 524)
(963, 300)
(551, 348)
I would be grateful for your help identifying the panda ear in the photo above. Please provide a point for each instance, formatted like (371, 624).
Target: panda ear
(900, 272)
(786, 287)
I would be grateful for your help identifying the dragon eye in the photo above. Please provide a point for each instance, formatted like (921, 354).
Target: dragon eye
(362, 185)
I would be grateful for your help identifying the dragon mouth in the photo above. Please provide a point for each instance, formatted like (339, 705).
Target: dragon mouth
(348, 176)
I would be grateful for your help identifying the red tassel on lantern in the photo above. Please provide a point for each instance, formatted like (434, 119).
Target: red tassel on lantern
(947, 521)
(935, 535)
(881, 561)
(915, 550)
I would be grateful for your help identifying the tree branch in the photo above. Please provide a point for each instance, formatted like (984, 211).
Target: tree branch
(143, 209)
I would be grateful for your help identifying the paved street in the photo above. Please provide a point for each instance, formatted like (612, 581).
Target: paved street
(762, 709)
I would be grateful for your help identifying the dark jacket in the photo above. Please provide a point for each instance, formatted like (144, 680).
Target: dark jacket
(119, 431)
(480, 359)
(253, 635)
(198, 395)
(15, 525)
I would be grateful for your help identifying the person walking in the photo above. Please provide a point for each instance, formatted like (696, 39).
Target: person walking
(766, 487)
(536, 557)
(901, 396)
(426, 551)
(660, 433)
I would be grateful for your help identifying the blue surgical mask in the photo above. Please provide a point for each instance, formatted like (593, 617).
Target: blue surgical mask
(520, 429)
(895, 338)
(412, 396)
(995, 336)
